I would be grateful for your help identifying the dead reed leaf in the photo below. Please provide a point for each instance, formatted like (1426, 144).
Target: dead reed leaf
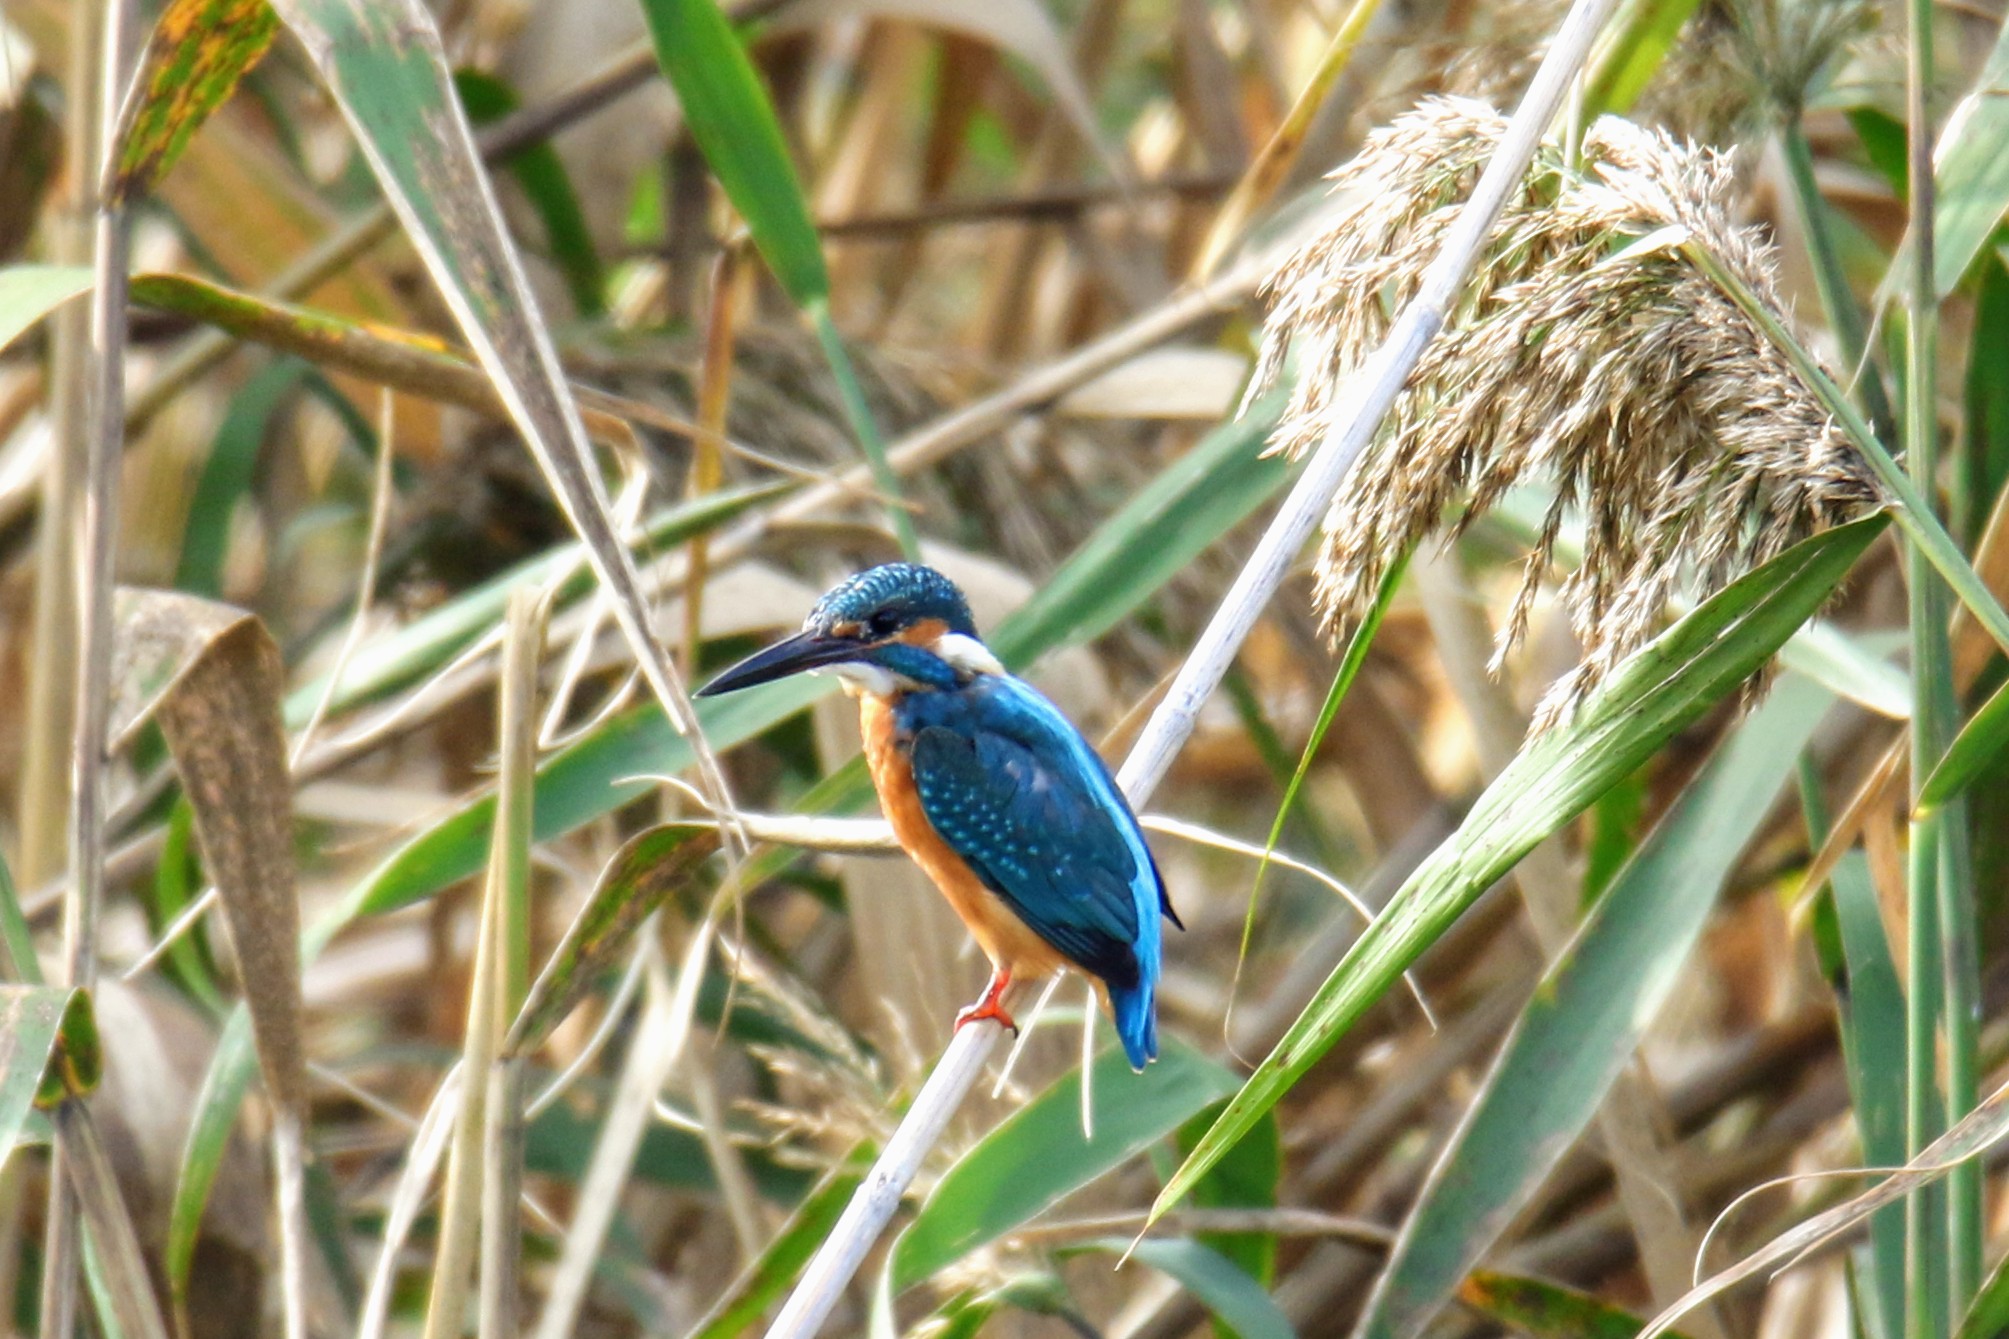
(1588, 354)
(211, 675)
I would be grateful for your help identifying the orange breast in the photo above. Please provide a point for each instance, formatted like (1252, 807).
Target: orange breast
(1006, 940)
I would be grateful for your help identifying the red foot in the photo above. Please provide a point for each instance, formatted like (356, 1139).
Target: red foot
(989, 1006)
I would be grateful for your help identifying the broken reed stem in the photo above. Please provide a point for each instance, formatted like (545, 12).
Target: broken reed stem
(500, 967)
(1380, 381)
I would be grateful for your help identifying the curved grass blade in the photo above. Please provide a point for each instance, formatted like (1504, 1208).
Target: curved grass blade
(1039, 1155)
(384, 62)
(426, 643)
(39, 1027)
(220, 712)
(735, 127)
(1237, 1301)
(1587, 1015)
(1970, 172)
(1357, 647)
(198, 51)
(1695, 664)
(754, 1291)
(216, 1107)
(642, 874)
(1971, 1136)
(733, 122)
(226, 475)
(30, 292)
(1984, 736)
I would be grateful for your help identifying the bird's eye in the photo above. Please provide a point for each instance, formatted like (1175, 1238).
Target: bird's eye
(884, 623)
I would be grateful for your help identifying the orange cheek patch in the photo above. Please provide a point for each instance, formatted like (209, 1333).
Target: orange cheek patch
(924, 633)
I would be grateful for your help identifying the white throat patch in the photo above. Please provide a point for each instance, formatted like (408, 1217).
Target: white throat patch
(966, 654)
(860, 676)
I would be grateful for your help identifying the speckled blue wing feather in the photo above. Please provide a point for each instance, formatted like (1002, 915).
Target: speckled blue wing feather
(1014, 790)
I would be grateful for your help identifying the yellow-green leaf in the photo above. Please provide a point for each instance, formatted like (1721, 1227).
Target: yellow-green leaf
(198, 52)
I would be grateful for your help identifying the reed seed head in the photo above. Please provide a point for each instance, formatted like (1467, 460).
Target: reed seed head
(1587, 353)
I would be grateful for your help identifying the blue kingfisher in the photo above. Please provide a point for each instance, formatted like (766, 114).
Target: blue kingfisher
(991, 790)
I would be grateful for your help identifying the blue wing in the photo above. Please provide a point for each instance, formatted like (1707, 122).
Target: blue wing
(1013, 789)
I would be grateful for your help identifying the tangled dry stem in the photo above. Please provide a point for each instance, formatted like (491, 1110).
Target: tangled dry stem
(1588, 353)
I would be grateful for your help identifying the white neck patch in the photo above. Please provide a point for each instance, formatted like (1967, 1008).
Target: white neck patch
(966, 654)
(863, 677)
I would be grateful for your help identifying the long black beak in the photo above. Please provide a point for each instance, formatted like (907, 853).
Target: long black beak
(803, 651)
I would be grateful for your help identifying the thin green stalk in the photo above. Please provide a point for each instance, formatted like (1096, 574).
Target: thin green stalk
(1943, 1269)
(1961, 971)
(1926, 1306)
(1844, 315)
(865, 429)
(1936, 875)
(1355, 656)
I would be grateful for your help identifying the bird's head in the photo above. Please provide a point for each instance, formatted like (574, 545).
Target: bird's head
(896, 628)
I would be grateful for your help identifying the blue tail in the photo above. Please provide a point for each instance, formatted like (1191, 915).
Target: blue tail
(1136, 1013)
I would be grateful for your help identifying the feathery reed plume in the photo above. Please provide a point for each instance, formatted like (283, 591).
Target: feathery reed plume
(1588, 352)
(1786, 50)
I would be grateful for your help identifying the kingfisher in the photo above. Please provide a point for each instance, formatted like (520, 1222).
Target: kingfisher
(991, 790)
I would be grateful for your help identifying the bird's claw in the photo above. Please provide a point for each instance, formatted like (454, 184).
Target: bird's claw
(986, 1008)
(991, 1006)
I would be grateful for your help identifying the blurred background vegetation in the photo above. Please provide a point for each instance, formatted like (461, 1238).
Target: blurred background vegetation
(420, 997)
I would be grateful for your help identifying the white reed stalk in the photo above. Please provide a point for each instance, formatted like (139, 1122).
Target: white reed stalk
(873, 1203)
(1380, 381)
